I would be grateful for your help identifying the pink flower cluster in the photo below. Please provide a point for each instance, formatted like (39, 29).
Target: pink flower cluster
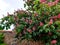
(56, 17)
(53, 41)
(51, 21)
(42, 1)
(50, 3)
(41, 24)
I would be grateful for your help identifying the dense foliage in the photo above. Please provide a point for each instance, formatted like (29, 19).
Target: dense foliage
(2, 39)
(40, 21)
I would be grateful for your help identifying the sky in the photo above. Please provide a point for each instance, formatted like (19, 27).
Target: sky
(10, 6)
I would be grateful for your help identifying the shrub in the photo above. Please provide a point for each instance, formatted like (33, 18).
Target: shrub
(40, 21)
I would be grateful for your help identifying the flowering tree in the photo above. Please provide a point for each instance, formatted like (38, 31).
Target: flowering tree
(40, 21)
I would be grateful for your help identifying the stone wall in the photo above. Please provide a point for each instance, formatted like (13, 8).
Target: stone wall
(10, 40)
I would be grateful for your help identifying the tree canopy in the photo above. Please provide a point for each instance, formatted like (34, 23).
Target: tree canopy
(40, 21)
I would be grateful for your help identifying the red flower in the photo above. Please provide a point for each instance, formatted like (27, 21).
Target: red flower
(54, 3)
(34, 28)
(42, 1)
(57, 0)
(58, 16)
(29, 30)
(51, 21)
(49, 33)
(27, 20)
(53, 41)
(54, 17)
(50, 3)
(30, 21)
(41, 24)
(35, 14)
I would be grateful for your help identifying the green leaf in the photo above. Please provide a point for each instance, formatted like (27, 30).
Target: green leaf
(1, 28)
(34, 33)
(54, 36)
(57, 22)
(24, 5)
(41, 30)
(20, 28)
(47, 30)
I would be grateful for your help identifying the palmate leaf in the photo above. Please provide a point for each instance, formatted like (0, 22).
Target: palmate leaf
(6, 22)
(28, 36)
(57, 22)
(54, 36)
(22, 15)
(1, 28)
(20, 28)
